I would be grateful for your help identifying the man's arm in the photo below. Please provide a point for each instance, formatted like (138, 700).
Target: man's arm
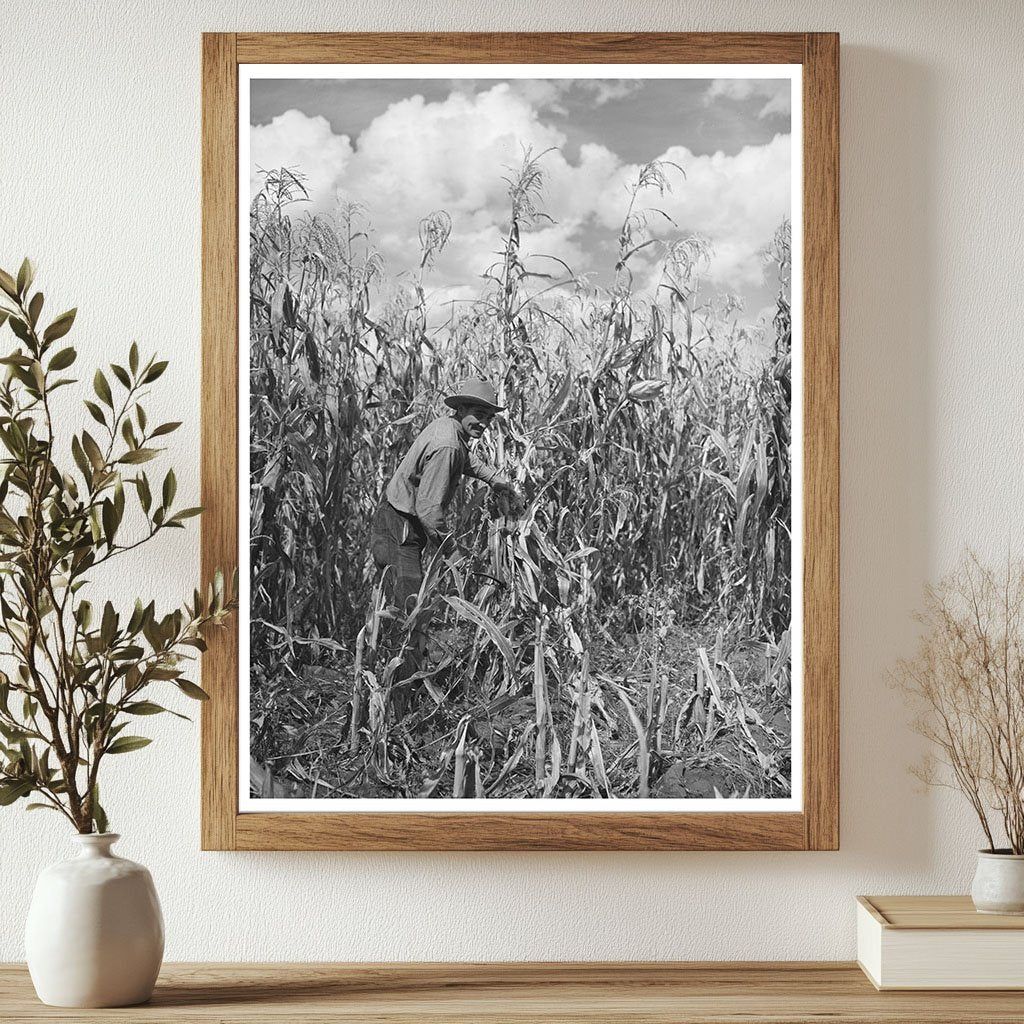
(481, 471)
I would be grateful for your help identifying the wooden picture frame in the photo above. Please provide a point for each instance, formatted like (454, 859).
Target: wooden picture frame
(816, 826)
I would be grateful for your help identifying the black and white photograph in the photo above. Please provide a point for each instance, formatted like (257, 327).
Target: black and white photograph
(520, 437)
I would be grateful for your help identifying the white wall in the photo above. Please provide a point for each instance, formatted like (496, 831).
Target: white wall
(100, 183)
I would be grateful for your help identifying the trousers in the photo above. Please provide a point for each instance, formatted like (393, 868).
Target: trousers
(397, 543)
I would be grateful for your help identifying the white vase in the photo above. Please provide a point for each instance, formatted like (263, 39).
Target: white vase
(999, 882)
(95, 934)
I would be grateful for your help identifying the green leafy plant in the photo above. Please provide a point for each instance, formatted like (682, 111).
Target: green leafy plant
(80, 673)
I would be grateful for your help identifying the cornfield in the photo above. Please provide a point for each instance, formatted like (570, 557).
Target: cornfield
(627, 633)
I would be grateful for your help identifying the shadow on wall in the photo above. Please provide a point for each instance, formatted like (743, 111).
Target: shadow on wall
(887, 300)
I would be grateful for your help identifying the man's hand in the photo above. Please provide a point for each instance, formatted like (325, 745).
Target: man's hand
(511, 495)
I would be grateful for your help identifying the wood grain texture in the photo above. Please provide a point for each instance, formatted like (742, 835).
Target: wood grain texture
(817, 827)
(219, 424)
(613, 993)
(944, 913)
(821, 441)
(521, 48)
(528, 832)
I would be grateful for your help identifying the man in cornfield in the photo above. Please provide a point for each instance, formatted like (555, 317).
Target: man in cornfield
(413, 511)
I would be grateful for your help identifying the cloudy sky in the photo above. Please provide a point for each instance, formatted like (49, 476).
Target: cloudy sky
(407, 147)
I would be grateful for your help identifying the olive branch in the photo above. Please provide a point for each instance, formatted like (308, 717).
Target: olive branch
(80, 673)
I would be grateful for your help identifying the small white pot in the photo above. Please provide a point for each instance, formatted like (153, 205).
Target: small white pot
(95, 934)
(999, 882)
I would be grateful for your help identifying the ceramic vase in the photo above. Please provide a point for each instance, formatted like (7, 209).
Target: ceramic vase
(999, 882)
(95, 933)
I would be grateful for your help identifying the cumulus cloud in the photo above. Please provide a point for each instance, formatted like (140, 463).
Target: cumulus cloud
(555, 95)
(544, 94)
(302, 143)
(417, 157)
(451, 154)
(774, 92)
(603, 90)
(737, 202)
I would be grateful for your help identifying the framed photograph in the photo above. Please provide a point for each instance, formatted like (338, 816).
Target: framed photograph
(520, 421)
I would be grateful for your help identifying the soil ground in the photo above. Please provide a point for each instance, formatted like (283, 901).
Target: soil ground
(723, 734)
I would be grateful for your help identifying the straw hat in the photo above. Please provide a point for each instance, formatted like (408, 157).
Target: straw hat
(477, 391)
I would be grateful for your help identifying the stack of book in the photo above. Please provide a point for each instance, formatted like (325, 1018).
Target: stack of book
(938, 942)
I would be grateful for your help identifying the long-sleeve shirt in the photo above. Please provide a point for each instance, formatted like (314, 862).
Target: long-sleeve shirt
(425, 481)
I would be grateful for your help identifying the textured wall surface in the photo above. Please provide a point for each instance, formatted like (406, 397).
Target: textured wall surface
(100, 183)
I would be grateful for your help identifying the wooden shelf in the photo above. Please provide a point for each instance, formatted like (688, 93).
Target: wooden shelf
(660, 993)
